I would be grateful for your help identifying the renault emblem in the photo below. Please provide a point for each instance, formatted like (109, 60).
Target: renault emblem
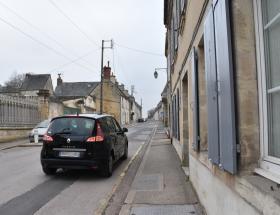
(68, 140)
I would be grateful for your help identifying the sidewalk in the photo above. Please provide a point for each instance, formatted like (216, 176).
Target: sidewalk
(18, 143)
(160, 185)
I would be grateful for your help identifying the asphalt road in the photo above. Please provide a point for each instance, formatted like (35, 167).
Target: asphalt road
(25, 189)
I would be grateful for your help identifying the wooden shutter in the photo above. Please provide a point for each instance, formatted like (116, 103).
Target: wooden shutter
(195, 106)
(227, 131)
(211, 88)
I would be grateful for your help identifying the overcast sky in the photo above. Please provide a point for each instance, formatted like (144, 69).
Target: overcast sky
(37, 38)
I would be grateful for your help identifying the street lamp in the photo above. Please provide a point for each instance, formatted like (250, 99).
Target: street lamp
(165, 103)
(159, 69)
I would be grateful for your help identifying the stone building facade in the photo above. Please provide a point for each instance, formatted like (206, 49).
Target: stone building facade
(223, 65)
(116, 99)
(77, 97)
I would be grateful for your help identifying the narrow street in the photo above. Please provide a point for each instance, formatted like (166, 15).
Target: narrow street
(25, 189)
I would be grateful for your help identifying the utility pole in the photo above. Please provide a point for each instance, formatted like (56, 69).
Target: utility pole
(102, 72)
(101, 79)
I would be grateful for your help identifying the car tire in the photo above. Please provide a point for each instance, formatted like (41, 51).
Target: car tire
(108, 167)
(49, 171)
(125, 155)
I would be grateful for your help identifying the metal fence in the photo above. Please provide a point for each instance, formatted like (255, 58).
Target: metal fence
(18, 111)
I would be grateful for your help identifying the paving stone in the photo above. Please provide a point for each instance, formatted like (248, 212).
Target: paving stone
(163, 210)
(151, 182)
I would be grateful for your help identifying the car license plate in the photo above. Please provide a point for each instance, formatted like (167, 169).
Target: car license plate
(69, 154)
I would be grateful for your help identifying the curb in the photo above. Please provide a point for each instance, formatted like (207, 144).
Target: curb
(22, 145)
(105, 202)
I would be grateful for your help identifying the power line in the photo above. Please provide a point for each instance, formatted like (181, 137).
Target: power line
(37, 29)
(140, 51)
(72, 61)
(73, 23)
(41, 43)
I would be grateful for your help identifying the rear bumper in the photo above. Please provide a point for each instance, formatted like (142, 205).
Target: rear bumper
(71, 163)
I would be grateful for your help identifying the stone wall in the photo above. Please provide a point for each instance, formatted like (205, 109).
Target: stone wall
(9, 134)
(55, 109)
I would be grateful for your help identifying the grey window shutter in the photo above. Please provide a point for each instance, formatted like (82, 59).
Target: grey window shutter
(211, 88)
(178, 115)
(182, 5)
(172, 45)
(227, 132)
(195, 107)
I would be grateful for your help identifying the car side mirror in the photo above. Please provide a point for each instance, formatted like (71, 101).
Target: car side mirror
(125, 130)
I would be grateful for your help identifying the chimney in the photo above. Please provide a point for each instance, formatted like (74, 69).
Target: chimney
(107, 72)
(59, 80)
(113, 78)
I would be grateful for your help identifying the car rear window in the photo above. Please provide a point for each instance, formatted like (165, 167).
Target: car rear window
(72, 125)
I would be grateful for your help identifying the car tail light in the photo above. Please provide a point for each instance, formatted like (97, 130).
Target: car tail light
(99, 135)
(47, 138)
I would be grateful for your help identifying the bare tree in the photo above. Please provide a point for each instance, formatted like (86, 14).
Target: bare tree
(15, 81)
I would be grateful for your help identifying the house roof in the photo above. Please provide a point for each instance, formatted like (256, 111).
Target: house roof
(75, 89)
(123, 90)
(9, 90)
(34, 82)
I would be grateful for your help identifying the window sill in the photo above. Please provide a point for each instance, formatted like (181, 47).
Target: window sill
(271, 176)
(260, 192)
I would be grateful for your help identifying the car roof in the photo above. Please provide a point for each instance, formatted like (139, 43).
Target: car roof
(93, 116)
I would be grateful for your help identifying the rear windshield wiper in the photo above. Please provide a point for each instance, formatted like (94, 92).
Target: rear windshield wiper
(64, 131)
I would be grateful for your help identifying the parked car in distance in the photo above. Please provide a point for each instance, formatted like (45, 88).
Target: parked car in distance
(85, 141)
(40, 129)
(140, 120)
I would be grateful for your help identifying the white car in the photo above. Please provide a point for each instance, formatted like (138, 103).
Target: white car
(40, 129)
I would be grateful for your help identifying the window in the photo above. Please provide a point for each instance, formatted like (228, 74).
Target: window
(117, 126)
(72, 125)
(111, 125)
(267, 15)
(271, 29)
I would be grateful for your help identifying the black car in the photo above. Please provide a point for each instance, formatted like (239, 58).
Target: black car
(85, 141)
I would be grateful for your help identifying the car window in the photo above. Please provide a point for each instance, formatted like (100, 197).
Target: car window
(111, 124)
(104, 125)
(75, 126)
(117, 125)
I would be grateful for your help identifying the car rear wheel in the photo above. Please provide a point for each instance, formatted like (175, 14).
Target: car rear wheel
(108, 167)
(49, 171)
